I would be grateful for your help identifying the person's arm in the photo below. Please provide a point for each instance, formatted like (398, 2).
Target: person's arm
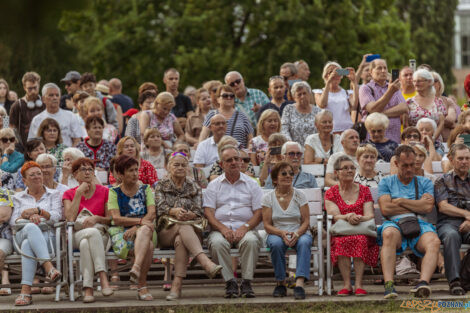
(379, 105)
(309, 155)
(448, 209)
(304, 219)
(397, 110)
(451, 117)
(393, 166)
(267, 214)
(332, 209)
(446, 166)
(421, 206)
(205, 132)
(389, 208)
(12, 162)
(440, 127)
(189, 138)
(361, 67)
(368, 211)
(285, 122)
(144, 122)
(330, 180)
(178, 130)
(124, 221)
(5, 213)
(120, 118)
(71, 207)
(215, 224)
(354, 98)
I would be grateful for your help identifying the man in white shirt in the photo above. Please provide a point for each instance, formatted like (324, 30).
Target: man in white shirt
(350, 142)
(70, 127)
(232, 204)
(206, 152)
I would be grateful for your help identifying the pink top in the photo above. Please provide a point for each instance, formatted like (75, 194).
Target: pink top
(95, 204)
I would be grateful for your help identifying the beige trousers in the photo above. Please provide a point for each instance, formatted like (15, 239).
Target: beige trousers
(185, 241)
(92, 255)
(248, 247)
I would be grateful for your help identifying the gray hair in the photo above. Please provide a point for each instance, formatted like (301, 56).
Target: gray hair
(341, 159)
(425, 74)
(300, 85)
(46, 156)
(227, 147)
(437, 76)
(327, 66)
(322, 113)
(343, 135)
(377, 119)
(49, 86)
(427, 120)
(291, 66)
(290, 143)
(74, 152)
(230, 73)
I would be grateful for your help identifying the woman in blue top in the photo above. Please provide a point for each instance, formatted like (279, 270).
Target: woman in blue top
(11, 159)
(132, 206)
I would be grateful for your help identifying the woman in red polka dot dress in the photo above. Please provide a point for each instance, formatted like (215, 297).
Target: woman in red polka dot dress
(351, 202)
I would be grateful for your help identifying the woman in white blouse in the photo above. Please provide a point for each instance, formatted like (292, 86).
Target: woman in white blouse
(319, 147)
(366, 175)
(337, 100)
(36, 202)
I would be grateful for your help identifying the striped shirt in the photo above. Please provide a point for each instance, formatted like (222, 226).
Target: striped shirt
(372, 92)
(239, 129)
(252, 96)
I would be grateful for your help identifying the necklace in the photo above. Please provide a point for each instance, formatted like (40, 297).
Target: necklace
(283, 197)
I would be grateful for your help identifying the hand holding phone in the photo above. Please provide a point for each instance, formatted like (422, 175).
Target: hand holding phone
(395, 74)
(342, 71)
(275, 150)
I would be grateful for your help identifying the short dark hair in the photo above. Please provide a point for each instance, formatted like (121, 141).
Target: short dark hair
(147, 86)
(341, 159)
(145, 95)
(223, 88)
(408, 131)
(93, 119)
(123, 162)
(277, 168)
(82, 161)
(30, 146)
(404, 149)
(87, 78)
(456, 147)
(46, 124)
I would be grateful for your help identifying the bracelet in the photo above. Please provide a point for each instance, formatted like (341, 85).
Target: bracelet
(39, 211)
(296, 234)
(5, 155)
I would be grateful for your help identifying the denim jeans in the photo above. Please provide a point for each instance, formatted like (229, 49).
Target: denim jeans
(278, 256)
(35, 243)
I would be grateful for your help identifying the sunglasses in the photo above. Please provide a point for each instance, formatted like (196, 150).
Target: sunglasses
(348, 168)
(284, 174)
(227, 96)
(412, 136)
(246, 160)
(295, 154)
(235, 82)
(233, 159)
(6, 140)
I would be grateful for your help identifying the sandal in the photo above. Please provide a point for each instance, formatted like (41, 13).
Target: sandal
(5, 292)
(134, 274)
(146, 296)
(166, 287)
(54, 275)
(35, 290)
(23, 299)
(47, 290)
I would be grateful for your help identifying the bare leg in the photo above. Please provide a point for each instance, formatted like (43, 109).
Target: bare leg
(142, 241)
(359, 269)
(391, 242)
(344, 264)
(429, 243)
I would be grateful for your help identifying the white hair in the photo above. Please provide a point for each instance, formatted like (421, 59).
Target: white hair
(74, 152)
(424, 120)
(230, 73)
(377, 119)
(328, 65)
(322, 113)
(343, 135)
(300, 85)
(46, 156)
(425, 74)
(437, 76)
(49, 86)
(290, 143)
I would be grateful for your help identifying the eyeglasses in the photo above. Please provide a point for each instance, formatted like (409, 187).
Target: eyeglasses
(376, 131)
(412, 136)
(227, 96)
(295, 154)
(233, 159)
(46, 167)
(235, 82)
(284, 174)
(51, 130)
(6, 140)
(347, 168)
(87, 169)
(246, 160)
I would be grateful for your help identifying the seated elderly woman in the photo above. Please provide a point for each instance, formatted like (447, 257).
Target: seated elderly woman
(376, 124)
(319, 147)
(132, 206)
(179, 199)
(298, 119)
(48, 164)
(49, 131)
(70, 155)
(427, 128)
(35, 203)
(286, 218)
(366, 156)
(130, 147)
(90, 238)
(455, 138)
(195, 173)
(268, 124)
(353, 203)
(6, 248)
(11, 159)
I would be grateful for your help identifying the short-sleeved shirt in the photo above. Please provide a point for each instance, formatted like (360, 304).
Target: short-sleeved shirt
(165, 127)
(338, 105)
(315, 143)
(302, 180)
(206, 152)
(101, 154)
(372, 92)
(289, 219)
(456, 191)
(182, 105)
(386, 149)
(235, 203)
(238, 126)
(147, 173)
(124, 101)
(393, 187)
(135, 206)
(252, 96)
(95, 204)
(330, 167)
(274, 107)
(417, 112)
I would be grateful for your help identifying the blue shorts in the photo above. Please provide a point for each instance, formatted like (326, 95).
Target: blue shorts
(411, 243)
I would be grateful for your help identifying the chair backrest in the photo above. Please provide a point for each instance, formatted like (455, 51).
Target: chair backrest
(257, 170)
(437, 167)
(383, 167)
(315, 200)
(317, 170)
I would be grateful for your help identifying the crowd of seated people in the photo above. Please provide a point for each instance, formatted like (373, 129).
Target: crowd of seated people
(131, 176)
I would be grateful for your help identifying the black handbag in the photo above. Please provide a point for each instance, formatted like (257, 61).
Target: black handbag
(360, 127)
(410, 225)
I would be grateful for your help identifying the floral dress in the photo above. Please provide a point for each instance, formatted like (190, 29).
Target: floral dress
(259, 147)
(356, 246)
(297, 126)
(417, 112)
(165, 128)
(57, 152)
(386, 149)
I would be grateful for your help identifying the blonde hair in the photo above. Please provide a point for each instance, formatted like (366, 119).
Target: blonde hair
(366, 148)
(149, 132)
(327, 66)
(4, 132)
(225, 141)
(164, 97)
(264, 116)
(91, 101)
(421, 149)
(120, 146)
(377, 119)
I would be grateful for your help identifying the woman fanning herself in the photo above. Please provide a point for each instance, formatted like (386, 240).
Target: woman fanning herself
(179, 197)
(132, 206)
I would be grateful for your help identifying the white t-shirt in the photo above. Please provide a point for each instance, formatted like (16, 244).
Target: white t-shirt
(330, 168)
(206, 152)
(338, 105)
(314, 142)
(69, 125)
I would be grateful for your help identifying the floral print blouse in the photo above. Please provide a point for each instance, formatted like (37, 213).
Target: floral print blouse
(165, 127)
(297, 126)
(168, 196)
(417, 112)
(57, 152)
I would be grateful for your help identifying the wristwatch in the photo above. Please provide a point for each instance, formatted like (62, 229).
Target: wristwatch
(247, 225)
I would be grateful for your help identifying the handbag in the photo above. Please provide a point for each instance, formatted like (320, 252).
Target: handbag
(82, 216)
(343, 228)
(409, 225)
(359, 126)
(166, 221)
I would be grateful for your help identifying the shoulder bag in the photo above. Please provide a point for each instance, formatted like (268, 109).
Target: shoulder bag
(343, 228)
(359, 126)
(409, 225)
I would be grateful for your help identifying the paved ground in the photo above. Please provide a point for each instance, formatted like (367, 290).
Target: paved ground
(208, 295)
